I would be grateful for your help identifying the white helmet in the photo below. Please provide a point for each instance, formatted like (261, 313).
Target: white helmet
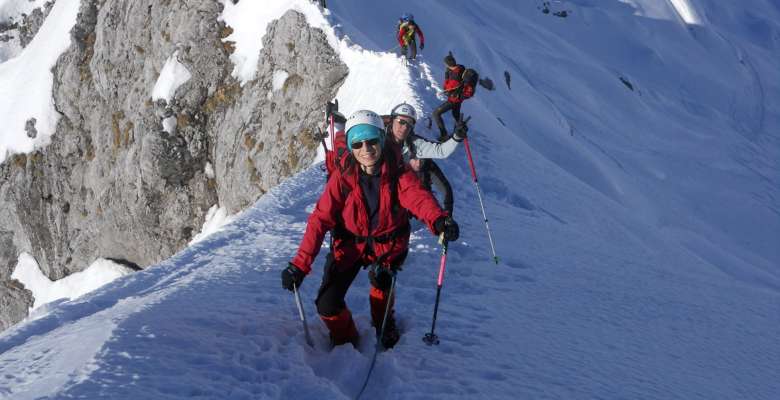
(364, 117)
(404, 109)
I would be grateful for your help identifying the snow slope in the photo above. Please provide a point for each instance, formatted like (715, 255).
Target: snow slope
(637, 228)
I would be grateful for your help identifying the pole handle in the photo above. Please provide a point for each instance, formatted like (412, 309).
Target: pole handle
(468, 149)
(443, 261)
(471, 159)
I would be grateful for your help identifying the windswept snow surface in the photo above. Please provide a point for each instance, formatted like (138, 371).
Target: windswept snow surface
(686, 11)
(669, 10)
(637, 229)
(26, 82)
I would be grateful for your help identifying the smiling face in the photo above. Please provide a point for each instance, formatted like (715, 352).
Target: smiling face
(402, 126)
(368, 154)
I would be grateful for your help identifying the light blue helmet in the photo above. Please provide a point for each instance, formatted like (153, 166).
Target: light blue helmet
(407, 17)
(364, 125)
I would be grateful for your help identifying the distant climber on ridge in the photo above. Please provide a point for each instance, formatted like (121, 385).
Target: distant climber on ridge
(459, 84)
(406, 31)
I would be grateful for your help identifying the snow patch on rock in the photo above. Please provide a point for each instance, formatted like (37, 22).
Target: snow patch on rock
(173, 75)
(279, 77)
(44, 290)
(216, 218)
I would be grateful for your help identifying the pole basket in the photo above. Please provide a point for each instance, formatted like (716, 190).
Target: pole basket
(431, 339)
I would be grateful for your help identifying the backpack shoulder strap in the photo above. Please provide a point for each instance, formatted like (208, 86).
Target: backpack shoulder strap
(343, 172)
(396, 168)
(410, 143)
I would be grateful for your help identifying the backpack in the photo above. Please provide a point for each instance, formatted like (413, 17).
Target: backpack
(470, 79)
(335, 158)
(336, 155)
(409, 26)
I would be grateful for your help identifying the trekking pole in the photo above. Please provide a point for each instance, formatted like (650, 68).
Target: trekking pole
(479, 193)
(431, 338)
(379, 337)
(302, 315)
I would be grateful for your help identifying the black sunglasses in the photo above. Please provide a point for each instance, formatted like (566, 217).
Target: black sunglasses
(404, 122)
(359, 145)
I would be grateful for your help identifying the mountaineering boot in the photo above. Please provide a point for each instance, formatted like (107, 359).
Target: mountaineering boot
(378, 299)
(342, 328)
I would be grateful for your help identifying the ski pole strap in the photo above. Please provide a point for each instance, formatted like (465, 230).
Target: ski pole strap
(471, 159)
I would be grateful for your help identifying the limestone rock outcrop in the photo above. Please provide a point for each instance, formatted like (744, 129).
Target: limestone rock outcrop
(114, 182)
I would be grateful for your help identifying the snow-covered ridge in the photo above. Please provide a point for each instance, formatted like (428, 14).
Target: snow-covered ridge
(368, 68)
(635, 220)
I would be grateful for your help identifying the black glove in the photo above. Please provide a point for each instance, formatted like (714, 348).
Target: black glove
(449, 227)
(381, 277)
(422, 46)
(461, 131)
(292, 275)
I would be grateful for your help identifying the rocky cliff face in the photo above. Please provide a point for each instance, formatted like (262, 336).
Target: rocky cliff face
(113, 183)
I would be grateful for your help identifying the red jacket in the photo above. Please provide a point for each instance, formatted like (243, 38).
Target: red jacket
(404, 31)
(342, 207)
(453, 80)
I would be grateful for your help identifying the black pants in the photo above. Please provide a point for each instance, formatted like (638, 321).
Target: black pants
(336, 282)
(433, 177)
(447, 106)
(412, 45)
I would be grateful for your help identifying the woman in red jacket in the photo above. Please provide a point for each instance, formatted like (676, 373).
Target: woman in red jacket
(366, 208)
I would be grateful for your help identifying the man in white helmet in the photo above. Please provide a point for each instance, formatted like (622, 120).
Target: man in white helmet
(419, 152)
(366, 208)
